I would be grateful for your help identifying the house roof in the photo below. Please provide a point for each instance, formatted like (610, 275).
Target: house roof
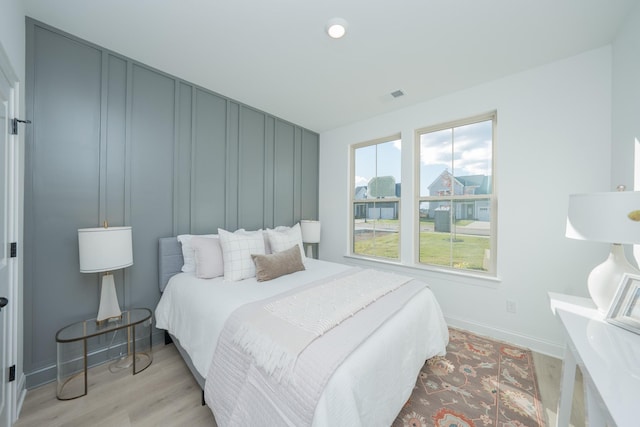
(481, 183)
(360, 192)
(275, 56)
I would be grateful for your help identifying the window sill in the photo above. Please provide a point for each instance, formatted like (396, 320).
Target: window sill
(458, 276)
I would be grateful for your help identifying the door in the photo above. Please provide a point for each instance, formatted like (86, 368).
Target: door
(6, 309)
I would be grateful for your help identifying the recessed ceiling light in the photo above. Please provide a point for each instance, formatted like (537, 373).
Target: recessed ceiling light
(336, 28)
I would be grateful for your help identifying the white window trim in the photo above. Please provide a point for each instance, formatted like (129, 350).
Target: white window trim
(492, 273)
(352, 171)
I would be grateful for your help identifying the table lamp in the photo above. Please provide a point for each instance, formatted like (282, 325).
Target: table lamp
(310, 234)
(613, 218)
(105, 249)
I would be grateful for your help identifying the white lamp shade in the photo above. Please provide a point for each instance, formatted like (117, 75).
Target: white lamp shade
(104, 249)
(605, 217)
(310, 231)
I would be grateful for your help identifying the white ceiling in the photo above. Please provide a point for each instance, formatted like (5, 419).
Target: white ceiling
(274, 55)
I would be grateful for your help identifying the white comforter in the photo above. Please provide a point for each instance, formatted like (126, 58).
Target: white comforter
(369, 388)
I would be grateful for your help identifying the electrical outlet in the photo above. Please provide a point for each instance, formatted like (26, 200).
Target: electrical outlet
(511, 306)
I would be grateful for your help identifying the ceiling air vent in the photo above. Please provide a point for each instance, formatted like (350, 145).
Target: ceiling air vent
(397, 94)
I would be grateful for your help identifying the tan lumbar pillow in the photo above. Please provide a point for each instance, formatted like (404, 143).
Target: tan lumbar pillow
(275, 265)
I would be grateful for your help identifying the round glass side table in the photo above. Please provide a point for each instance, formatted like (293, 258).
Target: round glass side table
(71, 344)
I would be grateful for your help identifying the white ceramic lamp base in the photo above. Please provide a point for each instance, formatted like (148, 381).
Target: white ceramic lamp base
(109, 307)
(604, 279)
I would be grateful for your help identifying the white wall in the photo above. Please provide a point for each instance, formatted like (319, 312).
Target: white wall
(625, 136)
(626, 101)
(553, 139)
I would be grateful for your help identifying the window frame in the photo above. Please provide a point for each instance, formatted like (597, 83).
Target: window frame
(492, 271)
(353, 201)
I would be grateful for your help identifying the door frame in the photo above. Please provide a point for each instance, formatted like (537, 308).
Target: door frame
(15, 389)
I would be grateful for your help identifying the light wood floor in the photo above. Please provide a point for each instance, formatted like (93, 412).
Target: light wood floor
(548, 372)
(165, 394)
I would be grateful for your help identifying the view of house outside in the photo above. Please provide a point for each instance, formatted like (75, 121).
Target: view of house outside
(455, 201)
(376, 200)
(455, 196)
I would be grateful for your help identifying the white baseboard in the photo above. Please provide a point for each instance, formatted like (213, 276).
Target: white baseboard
(535, 344)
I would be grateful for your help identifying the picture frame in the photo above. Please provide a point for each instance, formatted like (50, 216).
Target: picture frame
(625, 308)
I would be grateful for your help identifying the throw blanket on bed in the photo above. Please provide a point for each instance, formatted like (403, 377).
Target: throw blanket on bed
(276, 334)
(240, 393)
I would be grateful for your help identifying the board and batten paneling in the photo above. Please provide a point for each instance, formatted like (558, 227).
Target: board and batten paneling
(62, 160)
(151, 147)
(183, 160)
(113, 139)
(309, 174)
(251, 171)
(208, 175)
(113, 142)
(283, 175)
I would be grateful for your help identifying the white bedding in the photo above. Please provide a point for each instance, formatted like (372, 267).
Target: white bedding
(372, 384)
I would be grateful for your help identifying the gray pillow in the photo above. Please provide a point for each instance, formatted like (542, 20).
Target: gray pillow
(275, 265)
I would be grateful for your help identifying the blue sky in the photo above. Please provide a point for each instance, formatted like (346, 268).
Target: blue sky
(472, 155)
(378, 160)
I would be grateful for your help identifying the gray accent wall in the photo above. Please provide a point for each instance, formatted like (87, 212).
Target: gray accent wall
(115, 140)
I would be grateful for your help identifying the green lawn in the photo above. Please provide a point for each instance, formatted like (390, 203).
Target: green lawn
(467, 252)
(384, 245)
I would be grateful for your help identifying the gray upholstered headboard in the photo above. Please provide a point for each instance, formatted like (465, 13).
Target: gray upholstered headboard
(169, 260)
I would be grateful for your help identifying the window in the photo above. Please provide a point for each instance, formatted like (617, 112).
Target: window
(456, 200)
(375, 198)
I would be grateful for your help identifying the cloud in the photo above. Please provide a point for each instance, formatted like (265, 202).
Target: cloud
(361, 180)
(475, 160)
(435, 151)
(472, 145)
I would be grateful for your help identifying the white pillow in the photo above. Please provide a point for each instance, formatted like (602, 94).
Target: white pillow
(283, 239)
(267, 245)
(208, 256)
(237, 249)
(188, 253)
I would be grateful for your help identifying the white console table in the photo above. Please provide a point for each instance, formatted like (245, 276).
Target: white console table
(609, 358)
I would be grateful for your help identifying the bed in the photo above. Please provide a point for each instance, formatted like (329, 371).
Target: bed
(367, 385)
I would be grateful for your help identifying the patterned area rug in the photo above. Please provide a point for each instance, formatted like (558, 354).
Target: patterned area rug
(480, 382)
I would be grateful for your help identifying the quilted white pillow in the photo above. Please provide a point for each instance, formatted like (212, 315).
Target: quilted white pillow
(283, 239)
(237, 249)
(188, 253)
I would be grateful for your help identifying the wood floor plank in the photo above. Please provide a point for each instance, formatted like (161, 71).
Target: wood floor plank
(548, 372)
(165, 394)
